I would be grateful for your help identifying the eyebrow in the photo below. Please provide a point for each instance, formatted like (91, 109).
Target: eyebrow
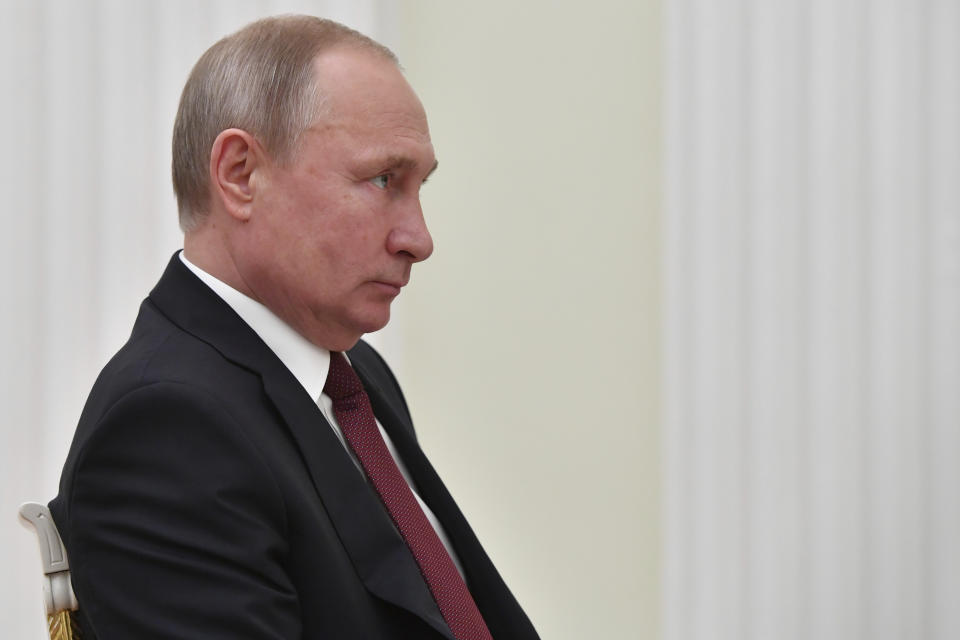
(405, 162)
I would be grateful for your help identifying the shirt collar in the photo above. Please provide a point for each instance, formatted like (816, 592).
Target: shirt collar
(307, 362)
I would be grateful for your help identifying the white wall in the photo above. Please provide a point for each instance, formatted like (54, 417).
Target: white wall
(530, 338)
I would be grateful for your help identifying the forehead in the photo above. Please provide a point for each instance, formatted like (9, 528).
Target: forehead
(363, 88)
(371, 118)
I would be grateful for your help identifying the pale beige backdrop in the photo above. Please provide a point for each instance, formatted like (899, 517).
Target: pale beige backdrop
(529, 342)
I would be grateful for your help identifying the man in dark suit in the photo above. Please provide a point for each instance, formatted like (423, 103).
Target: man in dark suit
(234, 474)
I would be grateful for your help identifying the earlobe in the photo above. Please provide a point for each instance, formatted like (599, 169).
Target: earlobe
(234, 158)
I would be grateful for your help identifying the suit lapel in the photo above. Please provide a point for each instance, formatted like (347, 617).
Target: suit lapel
(378, 552)
(503, 615)
(381, 557)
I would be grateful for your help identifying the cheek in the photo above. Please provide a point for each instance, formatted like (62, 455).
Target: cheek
(355, 232)
(335, 240)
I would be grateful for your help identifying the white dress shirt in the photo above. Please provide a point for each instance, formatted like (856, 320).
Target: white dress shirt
(309, 364)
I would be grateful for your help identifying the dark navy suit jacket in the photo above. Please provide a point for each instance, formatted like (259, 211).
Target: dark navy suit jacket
(206, 497)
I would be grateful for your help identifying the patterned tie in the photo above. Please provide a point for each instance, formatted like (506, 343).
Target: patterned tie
(355, 415)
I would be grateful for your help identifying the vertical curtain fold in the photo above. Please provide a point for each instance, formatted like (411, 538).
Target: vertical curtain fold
(813, 300)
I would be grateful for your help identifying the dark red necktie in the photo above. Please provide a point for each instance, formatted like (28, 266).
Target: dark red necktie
(355, 415)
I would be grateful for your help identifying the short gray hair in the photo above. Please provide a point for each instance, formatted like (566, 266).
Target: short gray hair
(259, 79)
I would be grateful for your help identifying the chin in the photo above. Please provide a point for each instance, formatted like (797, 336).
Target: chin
(347, 330)
(376, 325)
(356, 326)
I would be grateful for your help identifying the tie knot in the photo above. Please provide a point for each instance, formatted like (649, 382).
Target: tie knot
(342, 380)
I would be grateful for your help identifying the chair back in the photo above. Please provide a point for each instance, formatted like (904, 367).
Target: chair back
(58, 593)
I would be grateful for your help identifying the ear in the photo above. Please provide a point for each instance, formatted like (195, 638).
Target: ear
(234, 159)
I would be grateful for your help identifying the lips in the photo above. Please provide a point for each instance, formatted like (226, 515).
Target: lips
(389, 286)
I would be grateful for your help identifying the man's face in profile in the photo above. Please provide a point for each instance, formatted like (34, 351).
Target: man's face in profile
(341, 224)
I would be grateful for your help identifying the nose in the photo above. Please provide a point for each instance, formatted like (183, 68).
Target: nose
(410, 237)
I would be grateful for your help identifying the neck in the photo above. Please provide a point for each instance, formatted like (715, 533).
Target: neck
(208, 250)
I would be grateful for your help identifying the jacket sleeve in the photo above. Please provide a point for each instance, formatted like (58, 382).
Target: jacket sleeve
(175, 526)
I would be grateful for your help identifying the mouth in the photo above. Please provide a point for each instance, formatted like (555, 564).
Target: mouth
(389, 287)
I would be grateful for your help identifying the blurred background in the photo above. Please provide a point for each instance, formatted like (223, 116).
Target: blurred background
(688, 351)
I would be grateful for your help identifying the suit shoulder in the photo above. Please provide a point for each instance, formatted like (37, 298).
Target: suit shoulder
(159, 351)
(161, 364)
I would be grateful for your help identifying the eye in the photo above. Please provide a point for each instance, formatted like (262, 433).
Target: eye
(381, 181)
